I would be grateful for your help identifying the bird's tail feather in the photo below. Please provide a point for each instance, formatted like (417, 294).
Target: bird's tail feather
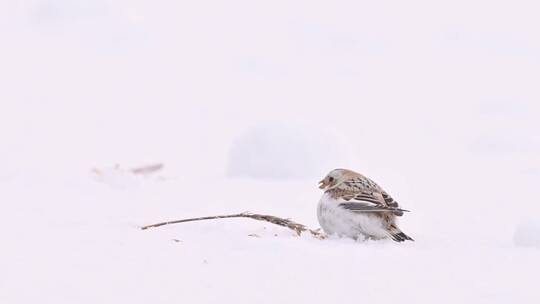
(398, 236)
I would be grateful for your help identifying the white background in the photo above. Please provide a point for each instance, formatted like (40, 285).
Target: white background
(248, 104)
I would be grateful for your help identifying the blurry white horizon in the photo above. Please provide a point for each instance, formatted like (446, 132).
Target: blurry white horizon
(165, 81)
(436, 101)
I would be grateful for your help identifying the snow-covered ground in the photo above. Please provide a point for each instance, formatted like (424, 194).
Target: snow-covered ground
(77, 241)
(248, 105)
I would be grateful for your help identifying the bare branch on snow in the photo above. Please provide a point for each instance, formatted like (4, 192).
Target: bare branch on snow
(297, 227)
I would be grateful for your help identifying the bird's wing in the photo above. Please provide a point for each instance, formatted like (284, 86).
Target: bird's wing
(361, 207)
(371, 201)
(363, 188)
(390, 202)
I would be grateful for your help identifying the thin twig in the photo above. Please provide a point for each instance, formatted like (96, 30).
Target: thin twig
(298, 228)
(147, 170)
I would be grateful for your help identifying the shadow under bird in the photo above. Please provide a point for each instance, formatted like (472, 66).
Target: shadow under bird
(354, 206)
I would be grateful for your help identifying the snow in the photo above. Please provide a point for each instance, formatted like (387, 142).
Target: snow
(78, 240)
(285, 152)
(248, 106)
(527, 234)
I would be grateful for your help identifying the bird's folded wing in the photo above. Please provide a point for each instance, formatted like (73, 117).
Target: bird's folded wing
(371, 197)
(389, 200)
(359, 206)
(371, 201)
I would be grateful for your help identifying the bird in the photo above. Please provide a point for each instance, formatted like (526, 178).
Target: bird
(354, 206)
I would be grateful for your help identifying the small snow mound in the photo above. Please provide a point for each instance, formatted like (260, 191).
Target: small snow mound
(7, 173)
(527, 234)
(278, 152)
(122, 178)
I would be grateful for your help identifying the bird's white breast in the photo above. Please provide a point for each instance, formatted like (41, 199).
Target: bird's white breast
(338, 221)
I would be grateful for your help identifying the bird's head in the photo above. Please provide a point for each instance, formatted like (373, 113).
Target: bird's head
(336, 177)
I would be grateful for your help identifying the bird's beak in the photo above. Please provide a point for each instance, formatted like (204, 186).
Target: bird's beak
(322, 184)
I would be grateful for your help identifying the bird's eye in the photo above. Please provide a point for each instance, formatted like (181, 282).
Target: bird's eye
(331, 179)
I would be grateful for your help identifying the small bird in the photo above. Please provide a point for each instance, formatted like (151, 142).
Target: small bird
(354, 206)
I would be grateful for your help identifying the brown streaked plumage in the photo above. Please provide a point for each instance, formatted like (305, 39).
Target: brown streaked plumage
(355, 206)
